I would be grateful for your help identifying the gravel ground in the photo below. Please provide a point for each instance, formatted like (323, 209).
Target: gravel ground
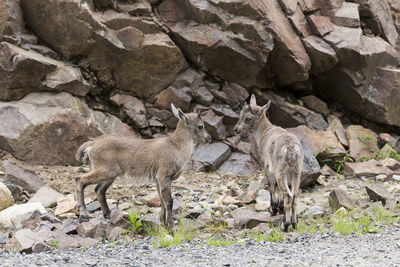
(382, 249)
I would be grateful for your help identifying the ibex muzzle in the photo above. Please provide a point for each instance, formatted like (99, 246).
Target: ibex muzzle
(159, 160)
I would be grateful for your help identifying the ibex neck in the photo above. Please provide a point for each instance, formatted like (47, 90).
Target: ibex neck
(263, 125)
(181, 137)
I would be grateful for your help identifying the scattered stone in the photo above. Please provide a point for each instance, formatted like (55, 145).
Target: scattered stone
(321, 181)
(396, 177)
(228, 200)
(385, 138)
(214, 124)
(70, 227)
(314, 211)
(315, 103)
(339, 198)
(119, 218)
(21, 211)
(392, 164)
(245, 218)
(347, 15)
(327, 171)
(65, 204)
(47, 196)
(23, 177)
(22, 241)
(311, 169)
(87, 229)
(93, 206)
(6, 198)
(336, 126)
(152, 200)
(320, 25)
(248, 196)
(124, 206)
(239, 164)
(369, 168)
(377, 192)
(381, 177)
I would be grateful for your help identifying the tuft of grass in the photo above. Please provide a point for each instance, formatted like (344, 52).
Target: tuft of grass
(165, 238)
(54, 244)
(215, 242)
(274, 236)
(134, 221)
(338, 165)
(112, 244)
(384, 217)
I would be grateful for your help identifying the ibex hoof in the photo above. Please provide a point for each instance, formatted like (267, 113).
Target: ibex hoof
(83, 218)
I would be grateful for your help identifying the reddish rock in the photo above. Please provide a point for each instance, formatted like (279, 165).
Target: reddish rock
(363, 142)
(180, 98)
(378, 192)
(339, 198)
(320, 25)
(347, 15)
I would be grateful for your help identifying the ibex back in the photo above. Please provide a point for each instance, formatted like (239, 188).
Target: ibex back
(159, 160)
(281, 155)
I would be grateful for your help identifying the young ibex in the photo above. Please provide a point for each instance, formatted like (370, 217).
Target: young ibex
(159, 160)
(281, 155)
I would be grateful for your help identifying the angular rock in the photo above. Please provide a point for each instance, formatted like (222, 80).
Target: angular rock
(47, 196)
(314, 211)
(207, 157)
(132, 109)
(323, 56)
(316, 104)
(23, 241)
(335, 125)
(202, 95)
(390, 163)
(6, 198)
(299, 22)
(152, 200)
(377, 192)
(228, 200)
(119, 218)
(23, 177)
(25, 71)
(249, 196)
(363, 142)
(180, 98)
(214, 124)
(244, 48)
(347, 15)
(285, 114)
(235, 94)
(239, 164)
(377, 17)
(87, 229)
(65, 204)
(323, 143)
(311, 169)
(339, 198)
(70, 227)
(47, 128)
(111, 54)
(320, 25)
(11, 20)
(385, 138)
(289, 6)
(369, 168)
(116, 21)
(245, 218)
(22, 211)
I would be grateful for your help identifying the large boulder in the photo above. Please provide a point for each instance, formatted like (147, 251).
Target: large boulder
(234, 48)
(363, 142)
(24, 71)
(11, 20)
(48, 128)
(126, 59)
(285, 112)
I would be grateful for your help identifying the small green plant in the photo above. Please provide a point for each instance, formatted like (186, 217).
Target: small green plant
(339, 164)
(111, 244)
(54, 244)
(303, 227)
(383, 216)
(135, 222)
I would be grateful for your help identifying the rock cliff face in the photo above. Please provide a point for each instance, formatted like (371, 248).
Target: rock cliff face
(71, 70)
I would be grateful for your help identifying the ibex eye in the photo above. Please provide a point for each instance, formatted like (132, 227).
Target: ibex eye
(201, 127)
(248, 120)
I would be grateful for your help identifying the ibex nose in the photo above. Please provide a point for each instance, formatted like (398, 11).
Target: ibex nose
(208, 138)
(236, 130)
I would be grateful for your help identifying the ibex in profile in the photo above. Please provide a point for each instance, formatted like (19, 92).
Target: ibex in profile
(281, 155)
(159, 160)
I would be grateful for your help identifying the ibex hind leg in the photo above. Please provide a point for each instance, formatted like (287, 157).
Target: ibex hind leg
(93, 177)
(167, 201)
(101, 190)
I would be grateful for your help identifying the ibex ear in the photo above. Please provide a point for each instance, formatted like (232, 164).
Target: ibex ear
(265, 107)
(253, 101)
(179, 114)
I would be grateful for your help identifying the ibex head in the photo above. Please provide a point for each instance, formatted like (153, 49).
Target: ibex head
(250, 116)
(194, 123)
